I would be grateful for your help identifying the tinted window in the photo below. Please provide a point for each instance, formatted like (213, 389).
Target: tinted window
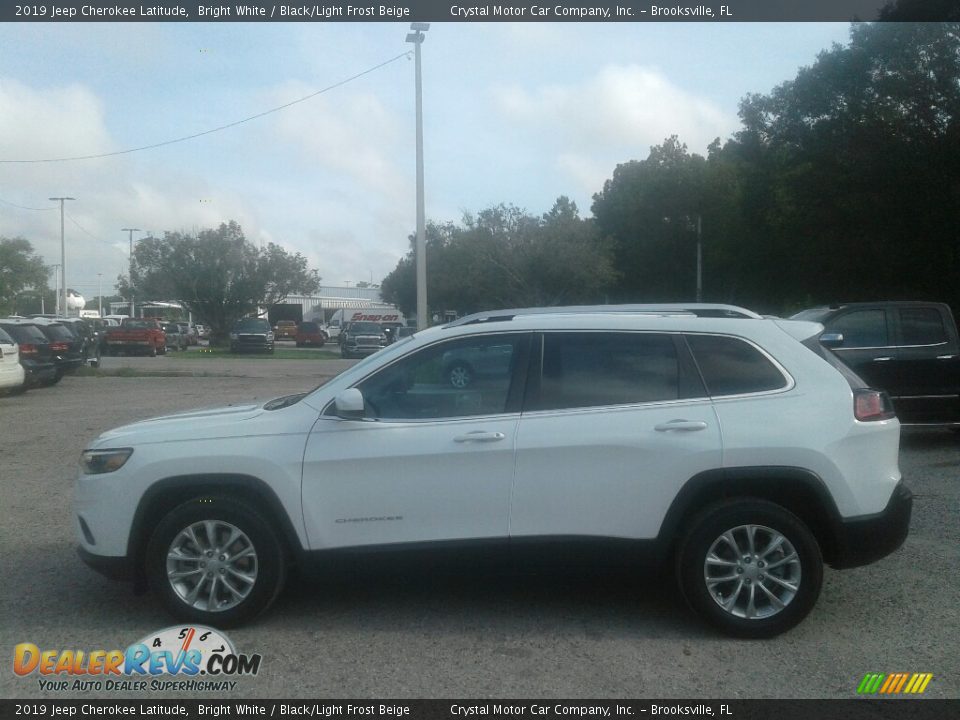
(27, 334)
(6, 339)
(309, 327)
(861, 328)
(595, 369)
(459, 378)
(57, 332)
(922, 326)
(732, 367)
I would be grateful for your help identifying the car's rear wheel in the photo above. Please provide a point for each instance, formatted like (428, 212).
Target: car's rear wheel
(750, 567)
(215, 560)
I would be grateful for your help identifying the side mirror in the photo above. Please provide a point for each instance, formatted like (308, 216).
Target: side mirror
(831, 340)
(349, 404)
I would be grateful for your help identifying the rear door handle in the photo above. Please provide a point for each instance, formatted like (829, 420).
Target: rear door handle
(882, 359)
(945, 357)
(479, 436)
(684, 425)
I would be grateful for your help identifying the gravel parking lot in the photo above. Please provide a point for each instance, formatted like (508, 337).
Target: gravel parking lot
(461, 633)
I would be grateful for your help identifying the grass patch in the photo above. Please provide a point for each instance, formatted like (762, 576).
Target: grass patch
(278, 354)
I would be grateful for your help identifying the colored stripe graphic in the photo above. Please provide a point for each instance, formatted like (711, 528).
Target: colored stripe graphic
(894, 684)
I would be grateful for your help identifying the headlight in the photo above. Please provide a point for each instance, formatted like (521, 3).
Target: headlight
(269, 337)
(233, 336)
(97, 462)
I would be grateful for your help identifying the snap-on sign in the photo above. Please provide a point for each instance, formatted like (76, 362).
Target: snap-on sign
(360, 317)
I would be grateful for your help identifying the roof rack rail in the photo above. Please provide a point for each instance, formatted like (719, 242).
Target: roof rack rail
(713, 310)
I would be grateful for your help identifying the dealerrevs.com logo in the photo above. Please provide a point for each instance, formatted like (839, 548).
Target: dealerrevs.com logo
(192, 658)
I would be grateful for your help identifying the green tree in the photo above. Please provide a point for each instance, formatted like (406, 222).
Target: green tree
(851, 170)
(21, 269)
(503, 257)
(217, 275)
(649, 209)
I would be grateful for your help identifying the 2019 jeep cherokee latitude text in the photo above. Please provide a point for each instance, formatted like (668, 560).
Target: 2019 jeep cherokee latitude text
(721, 443)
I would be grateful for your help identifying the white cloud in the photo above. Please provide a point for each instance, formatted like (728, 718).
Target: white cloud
(611, 117)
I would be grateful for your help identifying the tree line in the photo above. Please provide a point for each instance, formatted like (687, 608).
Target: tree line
(842, 184)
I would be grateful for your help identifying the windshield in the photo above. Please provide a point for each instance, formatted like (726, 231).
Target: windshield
(251, 325)
(365, 327)
(137, 324)
(308, 327)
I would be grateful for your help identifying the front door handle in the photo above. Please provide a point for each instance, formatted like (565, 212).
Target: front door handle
(479, 436)
(684, 425)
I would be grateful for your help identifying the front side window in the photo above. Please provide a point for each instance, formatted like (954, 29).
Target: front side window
(594, 369)
(731, 366)
(862, 329)
(922, 326)
(458, 378)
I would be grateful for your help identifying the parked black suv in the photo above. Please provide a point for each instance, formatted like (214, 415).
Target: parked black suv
(910, 349)
(35, 354)
(251, 335)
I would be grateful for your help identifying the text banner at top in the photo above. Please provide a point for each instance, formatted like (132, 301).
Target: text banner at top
(465, 11)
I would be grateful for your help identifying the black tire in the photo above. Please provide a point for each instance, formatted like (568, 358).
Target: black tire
(805, 574)
(153, 351)
(270, 562)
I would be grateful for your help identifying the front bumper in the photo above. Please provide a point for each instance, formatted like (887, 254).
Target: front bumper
(115, 568)
(865, 539)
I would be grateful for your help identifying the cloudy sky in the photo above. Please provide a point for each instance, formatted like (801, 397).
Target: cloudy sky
(514, 113)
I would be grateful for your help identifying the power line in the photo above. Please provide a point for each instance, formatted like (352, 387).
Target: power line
(221, 127)
(24, 207)
(82, 228)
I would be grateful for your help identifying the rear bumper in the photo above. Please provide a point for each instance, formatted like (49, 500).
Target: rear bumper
(39, 373)
(865, 539)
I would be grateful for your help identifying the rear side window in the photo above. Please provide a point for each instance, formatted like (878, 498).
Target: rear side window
(861, 328)
(731, 366)
(594, 369)
(922, 326)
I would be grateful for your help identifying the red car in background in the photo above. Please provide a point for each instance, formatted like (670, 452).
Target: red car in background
(310, 333)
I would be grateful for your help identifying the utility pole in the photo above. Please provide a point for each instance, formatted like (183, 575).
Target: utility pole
(100, 293)
(417, 38)
(63, 259)
(130, 271)
(56, 289)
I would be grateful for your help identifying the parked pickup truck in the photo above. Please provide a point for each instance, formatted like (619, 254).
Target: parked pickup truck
(910, 349)
(143, 337)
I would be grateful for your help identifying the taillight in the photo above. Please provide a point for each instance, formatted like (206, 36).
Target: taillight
(871, 405)
(59, 346)
(28, 349)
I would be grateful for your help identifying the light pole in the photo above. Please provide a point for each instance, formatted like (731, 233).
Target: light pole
(100, 293)
(417, 37)
(63, 259)
(131, 231)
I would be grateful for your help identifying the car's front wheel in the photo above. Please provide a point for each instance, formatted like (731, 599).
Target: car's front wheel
(750, 567)
(215, 560)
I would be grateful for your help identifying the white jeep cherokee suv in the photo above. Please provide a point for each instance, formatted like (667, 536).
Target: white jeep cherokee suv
(733, 445)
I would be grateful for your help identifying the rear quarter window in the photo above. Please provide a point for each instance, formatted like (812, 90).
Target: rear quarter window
(731, 366)
(922, 326)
